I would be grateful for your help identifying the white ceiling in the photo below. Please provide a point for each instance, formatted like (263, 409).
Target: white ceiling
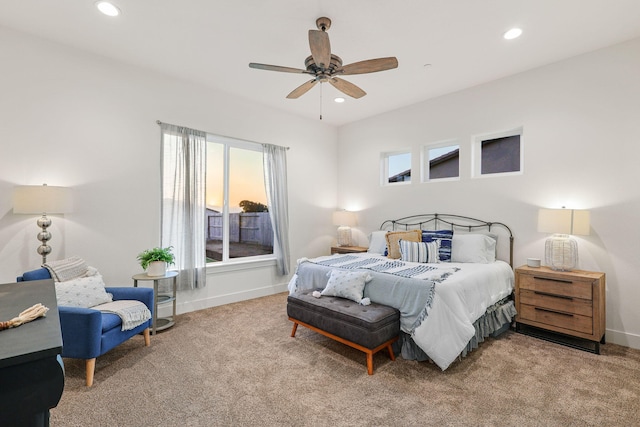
(211, 42)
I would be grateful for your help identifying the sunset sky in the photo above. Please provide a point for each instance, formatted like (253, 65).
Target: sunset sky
(246, 177)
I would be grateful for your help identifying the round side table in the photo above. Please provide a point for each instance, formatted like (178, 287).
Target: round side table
(162, 323)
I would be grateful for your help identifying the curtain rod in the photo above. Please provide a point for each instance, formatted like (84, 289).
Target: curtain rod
(261, 143)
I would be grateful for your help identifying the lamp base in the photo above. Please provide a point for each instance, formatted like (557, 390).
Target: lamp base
(561, 252)
(344, 236)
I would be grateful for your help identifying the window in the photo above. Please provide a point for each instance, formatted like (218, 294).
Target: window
(396, 167)
(498, 154)
(237, 217)
(441, 161)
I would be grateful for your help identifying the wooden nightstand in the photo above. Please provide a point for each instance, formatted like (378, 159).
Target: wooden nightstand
(571, 303)
(347, 249)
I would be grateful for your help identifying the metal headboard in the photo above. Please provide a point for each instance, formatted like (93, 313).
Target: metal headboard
(450, 221)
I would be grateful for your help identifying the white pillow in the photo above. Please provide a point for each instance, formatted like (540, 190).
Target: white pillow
(377, 242)
(419, 251)
(83, 292)
(347, 284)
(478, 248)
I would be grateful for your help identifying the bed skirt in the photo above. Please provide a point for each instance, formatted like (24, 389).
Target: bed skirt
(497, 317)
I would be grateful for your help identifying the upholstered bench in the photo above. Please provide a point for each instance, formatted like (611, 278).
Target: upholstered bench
(368, 328)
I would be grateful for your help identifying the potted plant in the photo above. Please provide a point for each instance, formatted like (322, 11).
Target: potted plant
(155, 260)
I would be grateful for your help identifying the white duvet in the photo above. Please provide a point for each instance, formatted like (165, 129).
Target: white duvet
(458, 302)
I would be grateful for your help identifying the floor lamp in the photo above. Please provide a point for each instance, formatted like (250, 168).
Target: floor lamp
(42, 199)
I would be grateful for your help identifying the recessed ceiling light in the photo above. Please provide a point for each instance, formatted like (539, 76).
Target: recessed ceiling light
(513, 33)
(107, 8)
(339, 100)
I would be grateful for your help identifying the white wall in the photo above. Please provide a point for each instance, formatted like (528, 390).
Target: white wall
(581, 120)
(74, 119)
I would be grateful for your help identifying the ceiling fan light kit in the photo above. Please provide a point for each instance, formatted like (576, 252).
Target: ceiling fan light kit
(326, 67)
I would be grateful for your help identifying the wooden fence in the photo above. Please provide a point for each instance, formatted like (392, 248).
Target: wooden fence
(251, 227)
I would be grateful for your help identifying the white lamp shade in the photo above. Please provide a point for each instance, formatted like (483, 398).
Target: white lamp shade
(40, 199)
(344, 218)
(564, 221)
(581, 223)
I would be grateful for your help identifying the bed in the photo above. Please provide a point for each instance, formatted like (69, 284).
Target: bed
(450, 276)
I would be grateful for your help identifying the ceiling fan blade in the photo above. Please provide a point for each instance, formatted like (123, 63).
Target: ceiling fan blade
(347, 88)
(369, 66)
(302, 89)
(277, 68)
(320, 48)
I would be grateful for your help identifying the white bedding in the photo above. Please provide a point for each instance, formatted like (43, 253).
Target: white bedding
(458, 301)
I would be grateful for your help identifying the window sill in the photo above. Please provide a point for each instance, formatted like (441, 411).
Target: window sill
(241, 264)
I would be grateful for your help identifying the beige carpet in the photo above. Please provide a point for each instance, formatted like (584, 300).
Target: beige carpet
(236, 365)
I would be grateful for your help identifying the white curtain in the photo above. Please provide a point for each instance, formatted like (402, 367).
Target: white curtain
(184, 160)
(275, 178)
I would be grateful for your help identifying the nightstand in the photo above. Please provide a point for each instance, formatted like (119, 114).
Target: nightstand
(347, 249)
(571, 303)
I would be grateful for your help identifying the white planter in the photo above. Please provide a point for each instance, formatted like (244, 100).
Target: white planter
(157, 268)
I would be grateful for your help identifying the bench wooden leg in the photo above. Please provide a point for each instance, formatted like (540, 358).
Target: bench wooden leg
(391, 355)
(90, 367)
(368, 351)
(370, 363)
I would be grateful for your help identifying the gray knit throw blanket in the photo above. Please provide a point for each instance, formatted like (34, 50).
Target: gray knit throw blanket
(133, 313)
(67, 269)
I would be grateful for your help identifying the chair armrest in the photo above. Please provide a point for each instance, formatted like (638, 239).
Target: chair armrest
(81, 332)
(144, 295)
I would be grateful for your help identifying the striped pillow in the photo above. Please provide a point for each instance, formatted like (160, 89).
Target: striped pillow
(419, 251)
(444, 236)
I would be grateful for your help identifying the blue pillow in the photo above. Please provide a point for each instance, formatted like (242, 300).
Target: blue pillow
(445, 236)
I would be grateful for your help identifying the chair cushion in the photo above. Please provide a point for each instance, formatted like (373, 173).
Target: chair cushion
(110, 321)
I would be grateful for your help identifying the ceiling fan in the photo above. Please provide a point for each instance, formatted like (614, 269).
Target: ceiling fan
(326, 67)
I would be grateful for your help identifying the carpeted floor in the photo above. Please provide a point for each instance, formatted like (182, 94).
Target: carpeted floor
(236, 365)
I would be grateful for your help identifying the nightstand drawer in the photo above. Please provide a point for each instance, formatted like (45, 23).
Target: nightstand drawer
(556, 302)
(565, 287)
(572, 322)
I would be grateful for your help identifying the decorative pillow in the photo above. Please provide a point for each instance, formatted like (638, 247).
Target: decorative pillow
(445, 236)
(377, 242)
(478, 248)
(419, 251)
(347, 284)
(394, 236)
(83, 292)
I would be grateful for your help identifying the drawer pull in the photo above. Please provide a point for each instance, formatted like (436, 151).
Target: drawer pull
(554, 312)
(553, 295)
(552, 280)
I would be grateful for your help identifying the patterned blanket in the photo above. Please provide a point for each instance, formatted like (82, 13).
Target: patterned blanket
(386, 265)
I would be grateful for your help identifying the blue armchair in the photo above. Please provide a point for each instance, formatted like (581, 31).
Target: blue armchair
(88, 333)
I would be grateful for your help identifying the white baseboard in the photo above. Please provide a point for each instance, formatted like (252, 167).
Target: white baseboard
(217, 300)
(623, 338)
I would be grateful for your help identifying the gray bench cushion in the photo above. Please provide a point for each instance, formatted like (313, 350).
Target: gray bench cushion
(365, 325)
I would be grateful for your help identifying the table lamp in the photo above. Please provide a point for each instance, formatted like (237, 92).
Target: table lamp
(344, 220)
(42, 199)
(561, 250)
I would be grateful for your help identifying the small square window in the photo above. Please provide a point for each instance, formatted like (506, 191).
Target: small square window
(441, 161)
(396, 167)
(498, 154)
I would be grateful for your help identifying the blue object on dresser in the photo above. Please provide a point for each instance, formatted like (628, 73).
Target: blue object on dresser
(88, 333)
